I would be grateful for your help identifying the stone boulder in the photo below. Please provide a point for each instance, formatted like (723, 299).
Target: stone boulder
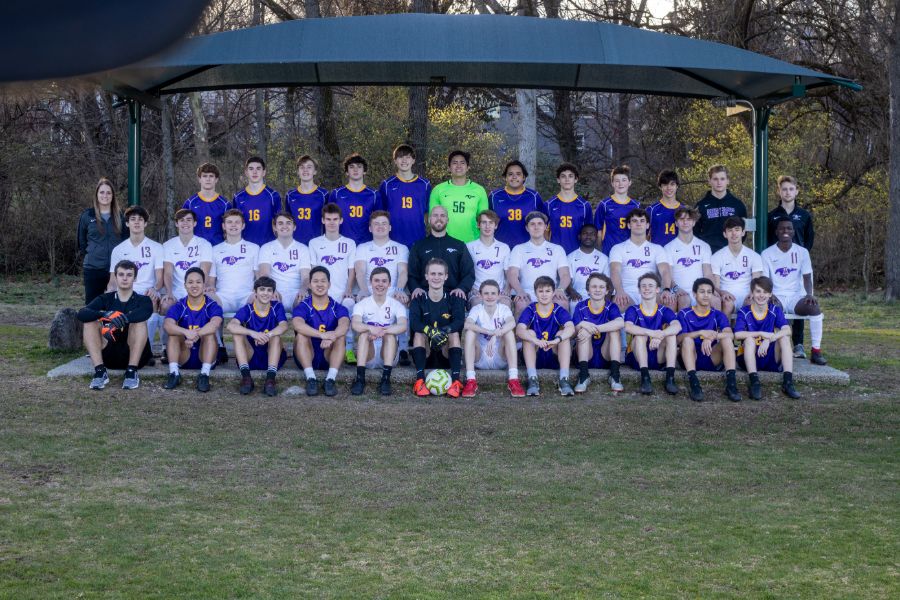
(65, 330)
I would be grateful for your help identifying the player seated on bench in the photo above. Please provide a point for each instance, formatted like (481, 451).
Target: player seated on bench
(115, 329)
(594, 318)
(257, 328)
(378, 319)
(702, 329)
(490, 342)
(766, 338)
(436, 321)
(653, 329)
(192, 323)
(321, 326)
(545, 329)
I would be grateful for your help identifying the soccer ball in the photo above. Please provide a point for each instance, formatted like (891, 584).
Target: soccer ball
(438, 382)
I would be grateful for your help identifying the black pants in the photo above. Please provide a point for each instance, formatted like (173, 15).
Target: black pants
(797, 331)
(95, 281)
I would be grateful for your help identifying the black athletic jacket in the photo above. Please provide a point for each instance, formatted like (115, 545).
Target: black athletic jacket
(461, 268)
(139, 307)
(803, 225)
(713, 213)
(96, 247)
(449, 311)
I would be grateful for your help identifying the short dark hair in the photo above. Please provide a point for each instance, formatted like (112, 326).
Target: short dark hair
(466, 156)
(783, 219)
(650, 275)
(195, 270)
(690, 211)
(514, 163)
(732, 222)
(208, 168)
(308, 158)
(636, 212)
(489, 282)
(605, 278)
(566, 167)
(544, 281)
(286, 215)
(403, 150)
(666, 177)
(320, 269)
(535, 214)
(233, 212)
(184, 212)
(586, 226)
(137, 210)
(491, 215)
(762, 282)
(264, 281)
(355, 159)
(332, 209)
(379, 271)
(620, 170)
(379, 213)
(438, 261)
(255, 159)
(125, 265)
(702, 281)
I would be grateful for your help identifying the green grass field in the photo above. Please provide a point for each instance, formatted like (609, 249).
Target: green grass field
(172, 494)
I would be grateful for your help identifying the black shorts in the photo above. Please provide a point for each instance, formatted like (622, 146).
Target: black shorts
(116, 354)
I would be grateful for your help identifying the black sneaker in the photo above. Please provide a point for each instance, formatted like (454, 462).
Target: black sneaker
(358, 387)
(695, 391)
(269, 388)
(816, 358)
(222, 356)
(790, 391)
(312, 386)
(755, 389)
(203, 383)
(404, 359)
(164, 357)
(246, 384)
(731, 392)
(330, 388)
(646, 385)
(385, 387)
(671, 386)
(173, 381)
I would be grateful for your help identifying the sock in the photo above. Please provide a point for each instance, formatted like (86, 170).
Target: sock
(513, 373)
(563, 373)
(787, 377)
(332, 374)
(271, 372)
(531, 372)
(614, 369)
(691, 374)
(309, 372)
(815, 331)
(361, 373)
(455, 356)
(754, 377)
(205, 368)
(173, 368)
(670, 372)
(131, 370)
(245, 370)
(729, 375)
(386, 373)
(583, 373)
(470, 375)
(797, 331)
(418, 356)
(99, 370)
(645, 373)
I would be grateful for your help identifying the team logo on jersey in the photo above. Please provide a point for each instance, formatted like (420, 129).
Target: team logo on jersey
(486, 263)
(140, 264)
(283, 267)
(784, 271)
(184, 265)
(231, 260)
(536, 262)
(380, 261)
(330, 260)
(636, 263)
(583, 271)
(445, 315)
(686, 261)
(733, 275)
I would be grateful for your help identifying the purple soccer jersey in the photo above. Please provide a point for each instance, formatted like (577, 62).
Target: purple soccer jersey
(259, 211)
(356, 206)
(658, 320)
(209, 217)
(546, 326)
(248, 317)
(188, 317)
(307, 211)
(583, 312)
(407, 201)
(512, 210)
(770, 322)
(662, 223)
(609, 218)
(322, 319)
(566, 220)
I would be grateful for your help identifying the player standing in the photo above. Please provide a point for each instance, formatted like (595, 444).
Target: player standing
(597, 320)
(356, 200)
(734, 266)
(634, 257)
(662, 214)
(690, 259)
(378, 319)
(715, 207)
(653, 329)
(545, 329)
(285, 260)
(512, 203)
(321, 325)
(257, 328)
(610, 218)
(463, 198)
(208, 206)
(490, 340)
(405, 196)
(258, 202)
(583, 261)
(490, 257)
(305, 201)
(568, 212)
(183, 252)
(534, 259)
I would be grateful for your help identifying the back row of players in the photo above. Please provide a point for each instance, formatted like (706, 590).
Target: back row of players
(254, 236)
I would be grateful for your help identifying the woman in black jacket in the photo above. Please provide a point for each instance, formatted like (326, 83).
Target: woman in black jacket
(100, 229)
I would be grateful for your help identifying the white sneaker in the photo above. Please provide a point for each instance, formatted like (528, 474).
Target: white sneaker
(615, 386)
(582, 386)
(131, 383)
(98, 383)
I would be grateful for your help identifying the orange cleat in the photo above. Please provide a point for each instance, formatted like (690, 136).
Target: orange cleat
(455, 389)
(419, 388)
(470, 389)
(515, 388)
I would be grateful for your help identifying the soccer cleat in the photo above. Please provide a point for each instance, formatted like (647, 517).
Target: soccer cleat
(131, 383)
(799, 352)
(755, 389)
(403, 360)
(173, 381)
(312, 386)
(470, 389)
(358, 387)
(615, 385)
(515, 388)
(817, 358)
(731, 392)
(330, 387)
(455, 389)
(350, 356)
(202, 383)
(534, 388)
(582, 386)
(671, 386)
(695, 391)
(565, 388)
(246, 384)
(419, 388)
(790, 391)
(385, 387)
(222, 356)
(99, 381)
(269, 388)
(646, 385)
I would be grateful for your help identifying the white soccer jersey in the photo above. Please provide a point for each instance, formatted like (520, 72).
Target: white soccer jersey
(786, 269)
(480, 317)
(687, 261)
(234, 266)
(337, 256)
(735, 272)
(534, 261)
(382, 315)
(389, 255)
(148, 256)
(637, 259)
(285, 265)
(581, 266)
(183, 257)
(490, 262)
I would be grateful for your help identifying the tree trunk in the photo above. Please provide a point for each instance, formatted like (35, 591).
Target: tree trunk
(621, 138)
(168, 160)
(892, 249)
(262, 136)
(326, 128)
(201, 129)
(418, 109)
(526, 126)
(564, 125)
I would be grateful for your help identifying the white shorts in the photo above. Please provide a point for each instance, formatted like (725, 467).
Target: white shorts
(232, 301)
(288, 297)
(788, 303)
(376, 362)
(496, 360)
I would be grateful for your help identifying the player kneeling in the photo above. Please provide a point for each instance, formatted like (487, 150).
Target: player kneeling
(545, 329)
(436, 320)
(759, 324)
(594, 318)
(257, 328)
(192, 323)
(702, 329)
(653, 330)
(489, 340)
(321, 325)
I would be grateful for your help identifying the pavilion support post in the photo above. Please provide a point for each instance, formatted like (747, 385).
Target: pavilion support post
(761, 174)
(134, 152)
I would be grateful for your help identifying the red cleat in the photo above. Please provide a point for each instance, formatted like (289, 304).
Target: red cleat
(515, 388)
(470, 389)
(419, 388)
(455, 389)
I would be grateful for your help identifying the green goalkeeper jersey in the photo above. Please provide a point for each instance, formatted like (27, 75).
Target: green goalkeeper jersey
(463, 203)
